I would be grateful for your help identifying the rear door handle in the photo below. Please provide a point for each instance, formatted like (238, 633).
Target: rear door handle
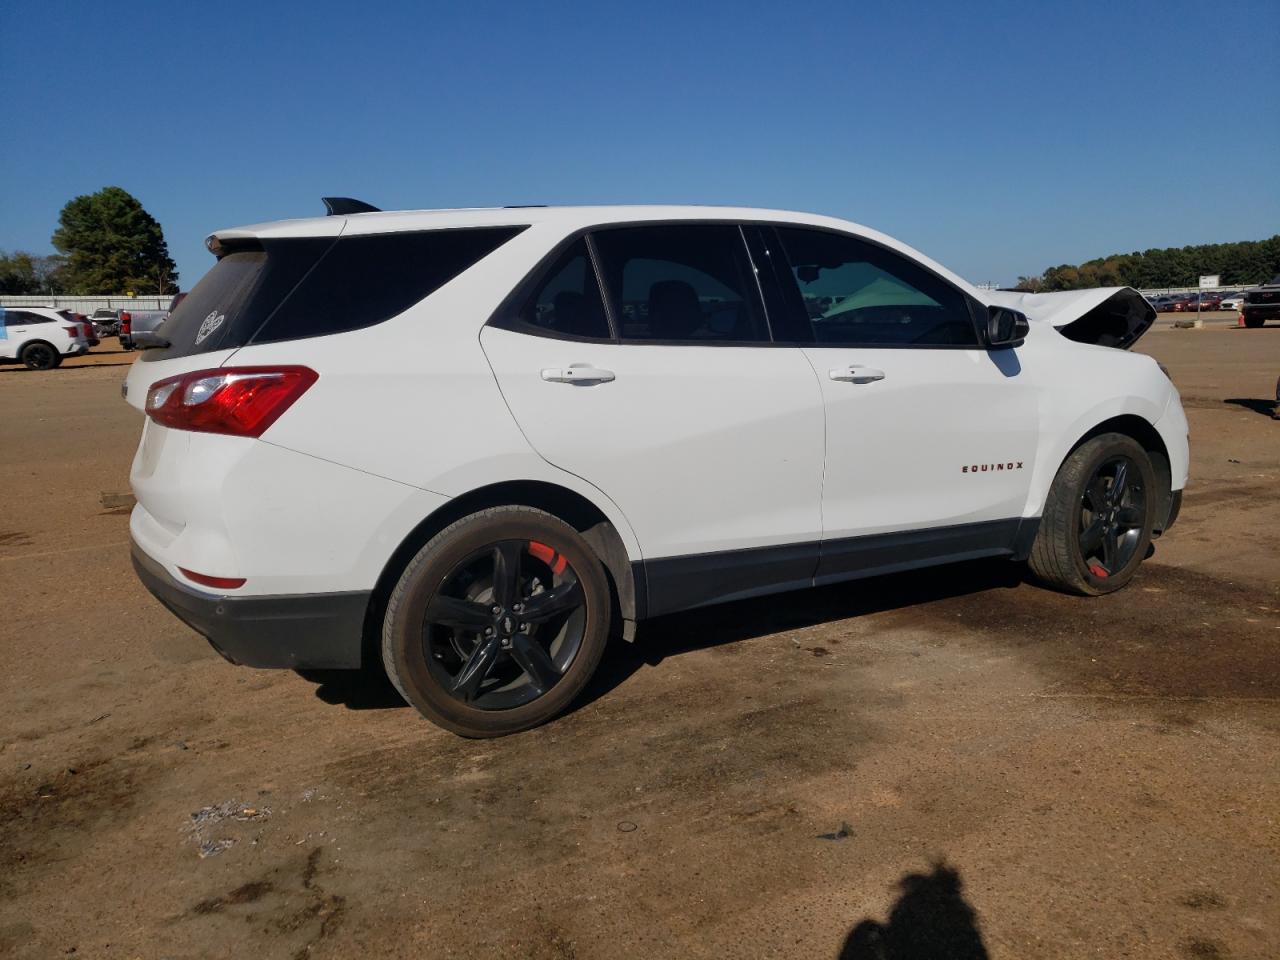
(579, 373)
(856, 374)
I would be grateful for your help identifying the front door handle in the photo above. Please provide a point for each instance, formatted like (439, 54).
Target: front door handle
(857, 374)
(579, 373)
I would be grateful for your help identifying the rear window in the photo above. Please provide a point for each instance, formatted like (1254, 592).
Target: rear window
(291, 289)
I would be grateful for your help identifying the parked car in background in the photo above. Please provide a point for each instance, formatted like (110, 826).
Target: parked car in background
(40, 337)
(477, 443)
(1262, 303)
(85, 324)
(1232, 301)
(138, 328)
(106, 322)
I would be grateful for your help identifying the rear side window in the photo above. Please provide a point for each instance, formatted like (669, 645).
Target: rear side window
(567, 303)
(682, 283)
(856, 292)
(310, 287)
(364, 280)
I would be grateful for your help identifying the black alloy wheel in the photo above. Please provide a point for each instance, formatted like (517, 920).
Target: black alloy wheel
(39, 356)
(1113, 514)
(1095, 530)
(505, 624)
(498, 622)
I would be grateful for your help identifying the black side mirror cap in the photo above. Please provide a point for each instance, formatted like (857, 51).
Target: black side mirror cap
(1006, 328)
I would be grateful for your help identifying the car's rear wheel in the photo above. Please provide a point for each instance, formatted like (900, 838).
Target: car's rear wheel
(498, 622)
(1253, 322)
(1098, 517)
(40, 356)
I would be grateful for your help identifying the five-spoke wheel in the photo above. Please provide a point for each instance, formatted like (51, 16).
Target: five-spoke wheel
(1098, 517)
(498, 622)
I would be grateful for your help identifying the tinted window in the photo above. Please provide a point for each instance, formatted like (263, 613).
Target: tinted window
(366, 280)
(25, 318)
(567, 300)
(857, 292)
(681, 282)
(309, 287)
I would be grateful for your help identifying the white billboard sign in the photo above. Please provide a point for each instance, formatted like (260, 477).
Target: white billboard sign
(1210, 282)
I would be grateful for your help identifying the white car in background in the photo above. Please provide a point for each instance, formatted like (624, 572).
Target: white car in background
(40, 337)
(471, 445)
(1233, 302)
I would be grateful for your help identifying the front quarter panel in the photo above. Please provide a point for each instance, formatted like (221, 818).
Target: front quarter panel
(1084, 385)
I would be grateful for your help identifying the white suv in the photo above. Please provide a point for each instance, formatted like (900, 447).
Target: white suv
(40, 337)
(472, 444)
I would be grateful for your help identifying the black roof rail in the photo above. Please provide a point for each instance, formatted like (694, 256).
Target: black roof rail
(523, 206)
(340, 206)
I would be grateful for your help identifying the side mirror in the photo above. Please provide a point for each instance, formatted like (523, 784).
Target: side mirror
(1006, 328)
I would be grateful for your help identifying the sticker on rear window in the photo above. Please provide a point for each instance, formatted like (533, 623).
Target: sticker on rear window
(211, 323)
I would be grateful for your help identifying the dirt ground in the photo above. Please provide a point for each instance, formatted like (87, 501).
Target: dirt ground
(925, 766)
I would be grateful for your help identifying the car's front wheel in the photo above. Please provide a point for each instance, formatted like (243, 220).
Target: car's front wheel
(1098, 517)
(498, 622)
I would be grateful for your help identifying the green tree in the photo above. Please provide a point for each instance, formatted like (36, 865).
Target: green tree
(27, 273)
(112, 245)
(1239, 264)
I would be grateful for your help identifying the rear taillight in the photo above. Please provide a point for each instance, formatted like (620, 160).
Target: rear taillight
(241, 401)
(88, 330)
(71, 331)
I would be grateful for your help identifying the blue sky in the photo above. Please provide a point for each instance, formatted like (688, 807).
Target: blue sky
(1000, 138)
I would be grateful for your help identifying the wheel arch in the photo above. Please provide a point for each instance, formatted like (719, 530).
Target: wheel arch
(575, 509)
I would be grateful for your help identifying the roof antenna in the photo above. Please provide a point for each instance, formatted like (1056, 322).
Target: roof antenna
(341, 206)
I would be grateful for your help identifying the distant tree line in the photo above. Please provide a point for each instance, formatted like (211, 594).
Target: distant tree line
(107, 244)
(1239, 264)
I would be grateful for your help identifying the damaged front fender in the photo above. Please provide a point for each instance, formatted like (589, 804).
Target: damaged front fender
(1107, 316)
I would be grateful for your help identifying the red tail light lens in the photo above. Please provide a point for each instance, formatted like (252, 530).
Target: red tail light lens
(71, 331)
(240, 401)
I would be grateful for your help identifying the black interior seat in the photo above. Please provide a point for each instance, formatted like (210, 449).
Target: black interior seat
(674, 311)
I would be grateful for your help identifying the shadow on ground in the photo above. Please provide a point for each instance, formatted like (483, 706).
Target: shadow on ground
(1268, 408)
(669, 636)
(930, 921)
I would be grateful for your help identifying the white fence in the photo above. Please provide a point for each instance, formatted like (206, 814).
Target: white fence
(89, 304)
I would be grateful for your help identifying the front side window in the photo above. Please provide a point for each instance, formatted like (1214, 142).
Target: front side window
(567, 303)
(856, 292)
(681, 282)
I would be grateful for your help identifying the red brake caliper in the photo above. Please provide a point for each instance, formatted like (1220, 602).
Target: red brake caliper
(1099, 571)
(548, 556)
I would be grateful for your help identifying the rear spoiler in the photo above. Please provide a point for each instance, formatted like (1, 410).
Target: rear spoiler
(1108, 316)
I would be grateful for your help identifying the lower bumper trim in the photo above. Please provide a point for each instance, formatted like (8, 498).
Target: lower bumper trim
(317, 631)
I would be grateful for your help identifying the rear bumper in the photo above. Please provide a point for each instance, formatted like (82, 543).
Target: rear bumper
(300, 631)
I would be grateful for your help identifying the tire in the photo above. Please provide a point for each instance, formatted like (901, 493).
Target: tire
(1253, 322)
(1069, 553)
(39, 355)
(434, 663)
